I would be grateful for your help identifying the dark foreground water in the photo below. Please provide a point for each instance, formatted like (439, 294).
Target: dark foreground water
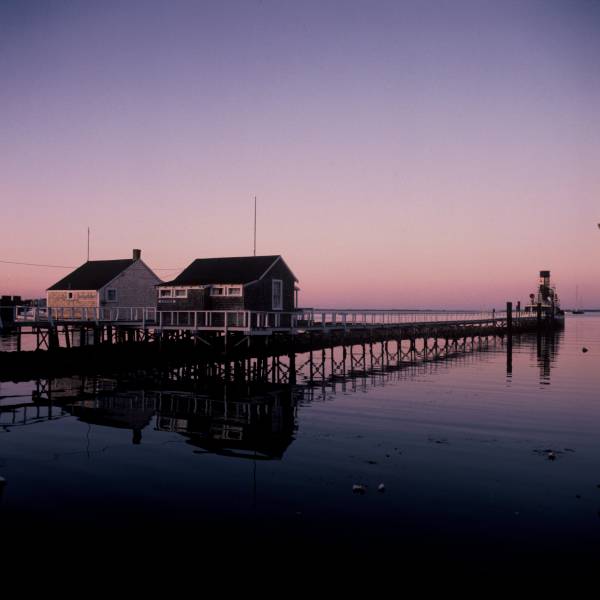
(481, 467)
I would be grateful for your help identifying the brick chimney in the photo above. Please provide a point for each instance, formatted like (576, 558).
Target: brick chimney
(137, 254)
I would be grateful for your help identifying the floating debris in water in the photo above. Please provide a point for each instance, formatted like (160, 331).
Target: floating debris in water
(584, 349)
(381, 488)
(578, 496)
(569, 450)
(548, 453)
(438, 441)
(371, 462)
(359, 488)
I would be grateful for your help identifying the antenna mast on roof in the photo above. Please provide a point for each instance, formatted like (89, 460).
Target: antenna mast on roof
(88, 245)
(254, 225)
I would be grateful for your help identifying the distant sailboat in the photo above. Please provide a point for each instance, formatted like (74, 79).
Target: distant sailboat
(577, 310)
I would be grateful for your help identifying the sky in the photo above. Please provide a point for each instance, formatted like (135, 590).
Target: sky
(404, 154)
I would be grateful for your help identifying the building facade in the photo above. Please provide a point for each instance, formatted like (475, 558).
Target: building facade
(247, 283)
(106, 284)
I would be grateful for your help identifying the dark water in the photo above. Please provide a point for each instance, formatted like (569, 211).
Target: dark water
(480, 466)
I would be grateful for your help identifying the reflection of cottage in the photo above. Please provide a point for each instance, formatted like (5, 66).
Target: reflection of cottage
(258, 427)
(119, 412)
(255, 283)
(106, 283)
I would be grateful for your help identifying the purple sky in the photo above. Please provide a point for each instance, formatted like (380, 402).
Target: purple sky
(426, 153)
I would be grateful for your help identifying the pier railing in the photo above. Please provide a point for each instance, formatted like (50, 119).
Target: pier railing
(130, 314)
(323, 319)
(259, 321)
(328, 317)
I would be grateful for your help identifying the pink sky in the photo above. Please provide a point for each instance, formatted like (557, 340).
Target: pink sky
(418, 154)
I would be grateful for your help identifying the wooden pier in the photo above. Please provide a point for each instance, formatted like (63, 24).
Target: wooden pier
(221, 410)
(86, 339)
(79, 326)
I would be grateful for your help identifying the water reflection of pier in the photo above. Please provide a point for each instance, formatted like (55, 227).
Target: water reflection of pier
(257, 422)
(251, 411)
(26, 413)
(546, 353)
(333, 361)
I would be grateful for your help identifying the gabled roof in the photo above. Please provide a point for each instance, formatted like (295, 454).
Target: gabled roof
(239, 269)
(92, 275)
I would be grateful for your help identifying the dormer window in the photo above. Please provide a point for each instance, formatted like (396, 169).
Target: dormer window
(111, 295)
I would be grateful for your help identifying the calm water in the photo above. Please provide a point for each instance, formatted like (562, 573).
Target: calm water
(461, 446)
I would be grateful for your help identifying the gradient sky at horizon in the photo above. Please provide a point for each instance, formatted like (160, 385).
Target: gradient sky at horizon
(404, 154)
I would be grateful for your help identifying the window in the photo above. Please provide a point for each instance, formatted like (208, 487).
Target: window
(111, 295)
(180, 293)
(69, 295)
(277, 294)
(226, 290)
(166, 293)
